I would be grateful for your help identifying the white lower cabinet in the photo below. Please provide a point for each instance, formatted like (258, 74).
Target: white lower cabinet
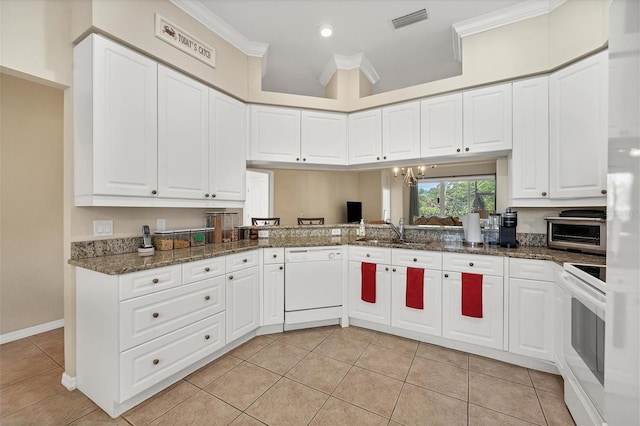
(243, 302)
(378, 312)
(488, 330)
(531, 309)
(273, 294)
(427, 320)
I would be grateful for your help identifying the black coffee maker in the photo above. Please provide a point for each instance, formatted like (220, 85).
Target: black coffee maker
(508, 229)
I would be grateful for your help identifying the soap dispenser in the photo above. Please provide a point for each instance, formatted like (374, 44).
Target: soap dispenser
(363, 230)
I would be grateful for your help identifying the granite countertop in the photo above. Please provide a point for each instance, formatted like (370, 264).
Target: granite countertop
(132, 262)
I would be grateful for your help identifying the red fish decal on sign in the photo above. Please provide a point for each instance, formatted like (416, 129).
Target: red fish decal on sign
(167, 29)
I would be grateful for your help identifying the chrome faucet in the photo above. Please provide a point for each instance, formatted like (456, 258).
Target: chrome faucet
(399, 230)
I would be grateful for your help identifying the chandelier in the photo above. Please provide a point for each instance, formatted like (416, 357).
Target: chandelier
(406, 175)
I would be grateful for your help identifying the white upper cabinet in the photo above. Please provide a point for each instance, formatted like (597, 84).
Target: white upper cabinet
(529, 161)
(365, 136)
(115, 98)
(183, 136)
(275, 134)
(324, 137)
(487, 119)
(578, 129)
(401, 131)
(228, 158)
(441, 125)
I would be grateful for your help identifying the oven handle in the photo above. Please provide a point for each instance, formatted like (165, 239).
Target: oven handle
(588, 295)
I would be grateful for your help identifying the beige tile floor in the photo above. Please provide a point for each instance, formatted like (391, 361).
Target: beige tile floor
(323, 376)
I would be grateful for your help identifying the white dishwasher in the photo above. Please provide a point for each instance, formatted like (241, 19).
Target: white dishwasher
(313, 284)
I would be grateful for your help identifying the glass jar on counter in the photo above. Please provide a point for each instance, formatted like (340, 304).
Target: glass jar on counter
(163, 240)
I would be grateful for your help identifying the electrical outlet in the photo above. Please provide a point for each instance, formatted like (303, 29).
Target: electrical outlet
(102, 228)
(336, 232)
(263, 234)
(161, 225)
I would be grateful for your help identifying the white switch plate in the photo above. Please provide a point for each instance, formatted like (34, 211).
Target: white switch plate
(102, 228)
(161, 225)
(263, 234)
(336, 231)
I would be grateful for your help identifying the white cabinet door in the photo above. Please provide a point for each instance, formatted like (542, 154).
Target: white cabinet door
(275, 134)
(273, 294)
(578, 129)
(487, 119)
(427, 320)
(324, 138)
(116, 133)
(531, 313)
(365, 136)
(183, 136)
(228, 158)
(485, 331)
(401, 131)
(441, 125)
(378, 312)
(243, 302)
(529, 161)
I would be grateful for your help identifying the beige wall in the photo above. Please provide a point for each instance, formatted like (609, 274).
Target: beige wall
(31, 204)
(370, 193)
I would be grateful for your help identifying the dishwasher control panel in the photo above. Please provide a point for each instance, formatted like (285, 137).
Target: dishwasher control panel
(313, 254)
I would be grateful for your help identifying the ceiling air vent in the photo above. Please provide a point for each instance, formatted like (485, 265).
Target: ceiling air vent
(412, 18)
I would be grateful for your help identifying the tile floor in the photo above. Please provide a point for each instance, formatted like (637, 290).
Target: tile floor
(323, 376)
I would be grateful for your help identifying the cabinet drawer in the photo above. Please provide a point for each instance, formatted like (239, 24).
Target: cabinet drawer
(146, 318)
(416, 259)
(148, 364)
(370, 254)
(531, 269)
(244, 260)
(273, 255)
(203, 269)
(145, 282)
(474, 263)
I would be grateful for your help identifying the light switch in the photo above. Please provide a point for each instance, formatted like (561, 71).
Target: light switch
(102, 228)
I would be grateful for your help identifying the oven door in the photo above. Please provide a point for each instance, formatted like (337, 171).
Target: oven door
(584, 338)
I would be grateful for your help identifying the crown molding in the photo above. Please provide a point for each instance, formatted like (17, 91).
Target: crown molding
(509, 15)
(359, 60)
(206, 17)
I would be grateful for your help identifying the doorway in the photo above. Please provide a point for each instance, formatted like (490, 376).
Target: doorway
(259, 201)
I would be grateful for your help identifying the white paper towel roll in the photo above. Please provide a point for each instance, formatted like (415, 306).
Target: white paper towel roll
(472, 231)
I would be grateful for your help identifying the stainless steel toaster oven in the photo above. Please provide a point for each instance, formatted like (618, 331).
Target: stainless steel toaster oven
(583, 234)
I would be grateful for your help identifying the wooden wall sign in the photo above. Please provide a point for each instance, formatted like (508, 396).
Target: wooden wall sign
(178, 38)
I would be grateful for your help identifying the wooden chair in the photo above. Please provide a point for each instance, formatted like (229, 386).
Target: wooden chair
(265, 221)
(311, 221)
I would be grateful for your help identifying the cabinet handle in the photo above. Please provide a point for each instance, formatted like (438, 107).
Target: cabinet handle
(230, 277)
(156, 361)
(206, 195)
(154, 192)
(378, 158)
(544, 194)
(470, 263)
(213, 195)
(244, 260)
(298, 159)
(206, 337)
(603, 192)
(446, 275)
(155, 281)
(386, 269)
(458, 150)
(384, 158)
(394, 269)
(155, 315)
(207, 297)
(281, 268)
(368, 255)
(275, 255)
(466, 149)
(304, 159)
(415, 259)
(207, 269)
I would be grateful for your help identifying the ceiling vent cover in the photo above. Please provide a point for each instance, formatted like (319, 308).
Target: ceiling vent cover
(412, 18)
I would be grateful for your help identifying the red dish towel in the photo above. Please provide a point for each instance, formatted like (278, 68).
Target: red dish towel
(472, 295)
(415, 288)
(368, 287)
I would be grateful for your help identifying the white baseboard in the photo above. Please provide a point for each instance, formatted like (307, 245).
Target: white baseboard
(68, 382)
(30, 331)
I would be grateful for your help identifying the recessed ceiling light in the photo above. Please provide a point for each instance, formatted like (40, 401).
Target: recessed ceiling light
(326, 30)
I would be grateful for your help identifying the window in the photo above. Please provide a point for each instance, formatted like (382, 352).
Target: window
(456, 197)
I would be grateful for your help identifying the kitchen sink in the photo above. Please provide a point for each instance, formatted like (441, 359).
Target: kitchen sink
(394, 243)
